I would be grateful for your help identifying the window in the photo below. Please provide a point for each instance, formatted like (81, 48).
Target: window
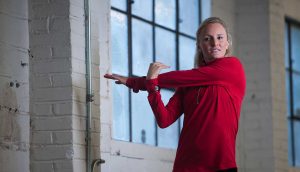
(292, 62)
(144, 31)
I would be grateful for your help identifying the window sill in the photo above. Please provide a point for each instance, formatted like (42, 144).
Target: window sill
(141, 151)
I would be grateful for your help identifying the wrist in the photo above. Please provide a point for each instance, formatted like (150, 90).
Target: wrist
(152, 85)
(151, 77)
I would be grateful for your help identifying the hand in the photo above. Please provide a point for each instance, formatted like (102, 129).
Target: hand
(119, 79)
(154, 69)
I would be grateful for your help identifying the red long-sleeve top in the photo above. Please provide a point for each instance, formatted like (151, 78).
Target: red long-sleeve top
(210, 98)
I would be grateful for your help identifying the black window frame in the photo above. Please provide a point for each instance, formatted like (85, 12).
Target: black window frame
(154, 25)
(292, 117)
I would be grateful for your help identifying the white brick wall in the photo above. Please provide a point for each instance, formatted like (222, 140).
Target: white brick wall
(253, 39)
(53, 126)
(14, 102)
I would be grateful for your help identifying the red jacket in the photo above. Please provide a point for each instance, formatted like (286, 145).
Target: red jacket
(210, 98)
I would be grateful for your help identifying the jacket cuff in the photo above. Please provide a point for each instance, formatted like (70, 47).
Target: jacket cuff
(152, 85)
(130, 83)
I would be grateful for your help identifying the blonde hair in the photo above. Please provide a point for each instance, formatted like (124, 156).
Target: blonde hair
(199, 59)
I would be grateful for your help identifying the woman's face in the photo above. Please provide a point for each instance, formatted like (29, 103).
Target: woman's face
(213, 42)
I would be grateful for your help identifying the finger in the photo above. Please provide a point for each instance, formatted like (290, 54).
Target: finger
(163, 66)
(108, 76)
(118, 82)
(112, 76)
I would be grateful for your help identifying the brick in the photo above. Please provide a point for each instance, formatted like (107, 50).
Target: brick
(42, 166)
(79, 137)
(79, 123)
(41, 137)
(40, 52)
(79, 165)
(95, 125)
(77, 25)
(47, 153)
(50, 9)
(76, 10)
(51, 39)
(43, 109)
(64, 108)
(14, 8)
(61, 51)
(59, 24)
(62, 80)
(79, 151)
(78, 52)
(79, 94)
(42, 81)
(79, 108)
(39, 26)
(9, 156)
(17, 27)
(52, 124)
(53, 94)
(79, 80)
(62, 137)
(66, 165)
(44, 67)
(10, 66)
(78, 66)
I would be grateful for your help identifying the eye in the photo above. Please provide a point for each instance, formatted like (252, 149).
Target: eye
(205, 39)
(220, 37)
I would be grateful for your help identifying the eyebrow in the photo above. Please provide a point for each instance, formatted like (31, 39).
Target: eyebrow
(221, 34)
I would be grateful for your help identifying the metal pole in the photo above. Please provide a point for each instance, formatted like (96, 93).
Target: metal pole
(89, 96)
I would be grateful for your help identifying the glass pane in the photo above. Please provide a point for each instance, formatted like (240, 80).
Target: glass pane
(143, 122)
(296, 94)
(288, 92)
(181, 119)
(286, 46)
(121, 4)
(290, 156)
(143, 8)
(168, 137)
(142, 47)
(165, 13)
(297, 142)
(205, 9)
(165, 48)
(188, 16)
(295, 43)
(119, 43)
(187, 49)
(120, 112)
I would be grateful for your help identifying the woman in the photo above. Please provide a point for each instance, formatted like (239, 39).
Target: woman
(210, 96)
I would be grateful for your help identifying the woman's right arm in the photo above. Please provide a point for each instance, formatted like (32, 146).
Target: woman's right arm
(165, 115)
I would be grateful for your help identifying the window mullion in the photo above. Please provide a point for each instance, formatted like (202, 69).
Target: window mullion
(291, 94)
(154, 59)
(129, 21)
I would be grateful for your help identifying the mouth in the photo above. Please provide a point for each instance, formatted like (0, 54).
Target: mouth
(215, 50)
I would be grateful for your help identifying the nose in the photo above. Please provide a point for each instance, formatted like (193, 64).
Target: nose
(214, 41)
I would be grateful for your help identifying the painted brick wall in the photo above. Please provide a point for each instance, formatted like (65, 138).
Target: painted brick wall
(52, 122)
(279, 110)
(14, 98)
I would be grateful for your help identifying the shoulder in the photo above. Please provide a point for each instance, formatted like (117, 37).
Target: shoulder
(231, 60)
